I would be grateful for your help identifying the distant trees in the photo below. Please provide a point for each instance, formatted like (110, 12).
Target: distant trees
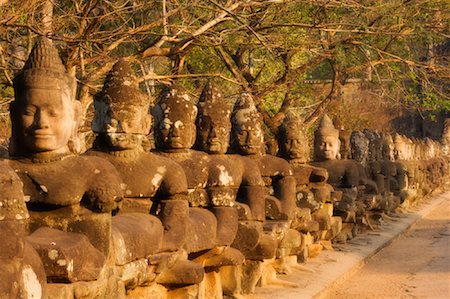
(265, 47)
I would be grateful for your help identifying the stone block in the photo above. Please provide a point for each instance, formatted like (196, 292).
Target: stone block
(305, 199)
(201, 231)
(273, 208)
(335, 229)
(251, 274)
(95, 226)
(219, 257)
(314, 250)
(227, 224)
(135, 236)
(231, 278)
(153, 291)
(187, 292)
(322, 193)
(248, 235)
(179, 272)
(137, 273)
(67, 257)
(211, 286)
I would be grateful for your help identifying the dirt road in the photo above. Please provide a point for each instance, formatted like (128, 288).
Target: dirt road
(417, 265)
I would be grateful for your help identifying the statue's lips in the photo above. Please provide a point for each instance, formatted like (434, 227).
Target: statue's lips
(213, 142)
(42, 135)
(175, 142)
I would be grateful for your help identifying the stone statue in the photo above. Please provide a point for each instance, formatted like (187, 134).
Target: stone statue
(155, 185)
(235, 176)
(213, 134)
(247, 140)
(174, 123)
(211, 197)
(343, 174)
(22, 274)
(65, 192)
(313, 192)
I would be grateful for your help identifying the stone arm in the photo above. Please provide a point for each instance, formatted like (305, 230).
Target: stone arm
(173, 184)
(105, 188)
(172, 199)
(252, 191)
(284, 188)
(351, 177)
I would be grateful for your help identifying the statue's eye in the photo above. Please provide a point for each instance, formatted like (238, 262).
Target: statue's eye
(30, 110)
(53, 113)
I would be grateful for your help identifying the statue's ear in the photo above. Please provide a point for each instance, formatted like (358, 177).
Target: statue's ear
(76, 114)
(75, 143)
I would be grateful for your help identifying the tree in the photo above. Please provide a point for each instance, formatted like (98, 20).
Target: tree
(267, 47)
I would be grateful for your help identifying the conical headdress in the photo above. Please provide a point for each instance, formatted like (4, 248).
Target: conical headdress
(121, 88)
(174, 104)
(120, 92)
(245, 112)
(326, 128)
(211, 102)
(44, 69)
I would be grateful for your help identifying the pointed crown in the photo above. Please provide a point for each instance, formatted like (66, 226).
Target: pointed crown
(175, 101)
(44, 69)
(245, 112)
(211, 102)
(326, 128)
(121, 88)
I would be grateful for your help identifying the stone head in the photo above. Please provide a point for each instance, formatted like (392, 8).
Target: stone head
(213, 121)
(374, 144)
(44, 113)
(174, 120)
(326, 141)
(292, 139)
(360, 147)
(247, 136)
(121, 109)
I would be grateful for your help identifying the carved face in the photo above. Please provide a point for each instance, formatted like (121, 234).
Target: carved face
(214, 135)
(127, 127)
(46, 120)
(250, 139)
(327, 147)
(295, 143)
(176, 135)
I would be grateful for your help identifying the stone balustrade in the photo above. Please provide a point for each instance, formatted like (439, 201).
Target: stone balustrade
(207, 213)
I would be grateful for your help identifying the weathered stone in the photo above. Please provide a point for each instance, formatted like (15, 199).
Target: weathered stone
(67, 257)
(251, 274)
(154, 291)
(181, 273)
(66, 192)
(247, 139)
(137, 273)
(95, 226)
(188, 292)
(200, 236)
(135, 236)
(121, 121)
(22, 274)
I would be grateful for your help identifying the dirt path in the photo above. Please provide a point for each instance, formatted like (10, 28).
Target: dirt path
(417, 265)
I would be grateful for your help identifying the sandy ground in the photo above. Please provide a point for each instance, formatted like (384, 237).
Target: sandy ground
(417, 265)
